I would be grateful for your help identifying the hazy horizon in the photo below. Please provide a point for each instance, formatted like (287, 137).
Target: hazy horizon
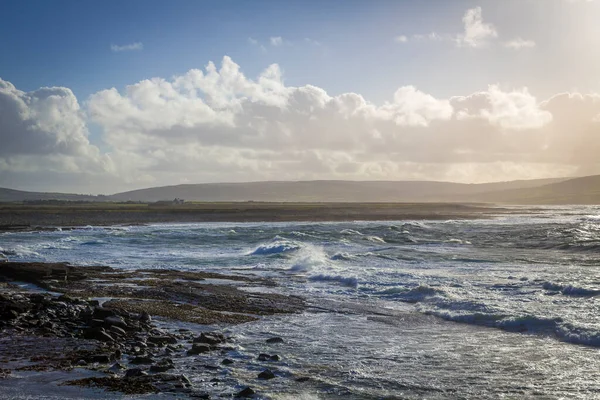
(107, 97)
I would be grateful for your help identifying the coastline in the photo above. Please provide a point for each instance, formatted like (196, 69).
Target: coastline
(14, 217)
(123, 331)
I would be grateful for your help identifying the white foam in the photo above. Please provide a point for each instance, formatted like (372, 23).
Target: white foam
(374, 239)
(350, 232)
(278, 246)
(570, 290)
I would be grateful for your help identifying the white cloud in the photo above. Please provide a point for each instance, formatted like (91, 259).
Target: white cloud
(476, 32)
(519, 43)
(252, 41)
(44, 132)
(217, 124)
(276, 41)
(401, 39)
(127, 47)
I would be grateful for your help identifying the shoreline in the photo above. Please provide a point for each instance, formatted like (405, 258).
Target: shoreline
(20, 217)
(116, 345)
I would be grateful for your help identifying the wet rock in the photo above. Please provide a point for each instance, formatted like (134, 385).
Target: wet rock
(145, 317)
(264, 357)
(117, 330)
(98, 334)
(134, 372)
(115, 321)
(163, 366)
(117, 366)
(211, 338)
(102, 313)
(266, 374)
(162, 340)
(227, 361)
(211, 367)
(302, 379)
(268, 357)
(276, 339)
(142, 360)
(246, 392)
(100, 358)
(198, 349)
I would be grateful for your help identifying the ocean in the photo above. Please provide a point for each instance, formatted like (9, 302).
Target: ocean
(507, 307)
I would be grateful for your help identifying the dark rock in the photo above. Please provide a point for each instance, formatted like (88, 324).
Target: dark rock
(117, 366)
(142, 360)
(198, 349)
(145, 317)
(246, 392)
(115, 321)
(161, 368)
(134, 372)
(211, 367)
(97, 334)
(273, 340)
(211, 338)
(268, 357)
(227, 361)
(162, 340)
(266, 374)
(101, 313)
(119, 331)
(100, 358)
(302, 379)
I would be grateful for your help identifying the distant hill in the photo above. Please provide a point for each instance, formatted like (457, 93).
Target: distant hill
(10, 195)
(329, 191)
(585, 190)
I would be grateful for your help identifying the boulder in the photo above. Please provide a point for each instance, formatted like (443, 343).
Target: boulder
(97, 334)
(246, 392)
(142, 360)
(198, 349)
(266, 374)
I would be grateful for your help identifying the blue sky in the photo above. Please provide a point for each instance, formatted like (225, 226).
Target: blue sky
(67, 43)
(368, 48)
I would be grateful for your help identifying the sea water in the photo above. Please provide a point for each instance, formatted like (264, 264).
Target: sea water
(507, 307)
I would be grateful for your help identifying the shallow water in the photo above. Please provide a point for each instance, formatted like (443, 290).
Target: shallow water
(385, 297)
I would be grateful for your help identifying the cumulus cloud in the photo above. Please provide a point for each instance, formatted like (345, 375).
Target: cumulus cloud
(45, 131)
(217, 124)
(127, 47)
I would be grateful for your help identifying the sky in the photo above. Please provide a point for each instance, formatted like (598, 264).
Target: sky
(108, 96)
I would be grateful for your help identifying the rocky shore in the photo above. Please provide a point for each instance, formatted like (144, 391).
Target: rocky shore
(125, 328)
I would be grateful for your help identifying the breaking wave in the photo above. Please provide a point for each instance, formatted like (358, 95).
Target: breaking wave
(413, 295)
(570, 290)
(278, 246)
(342, 280)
